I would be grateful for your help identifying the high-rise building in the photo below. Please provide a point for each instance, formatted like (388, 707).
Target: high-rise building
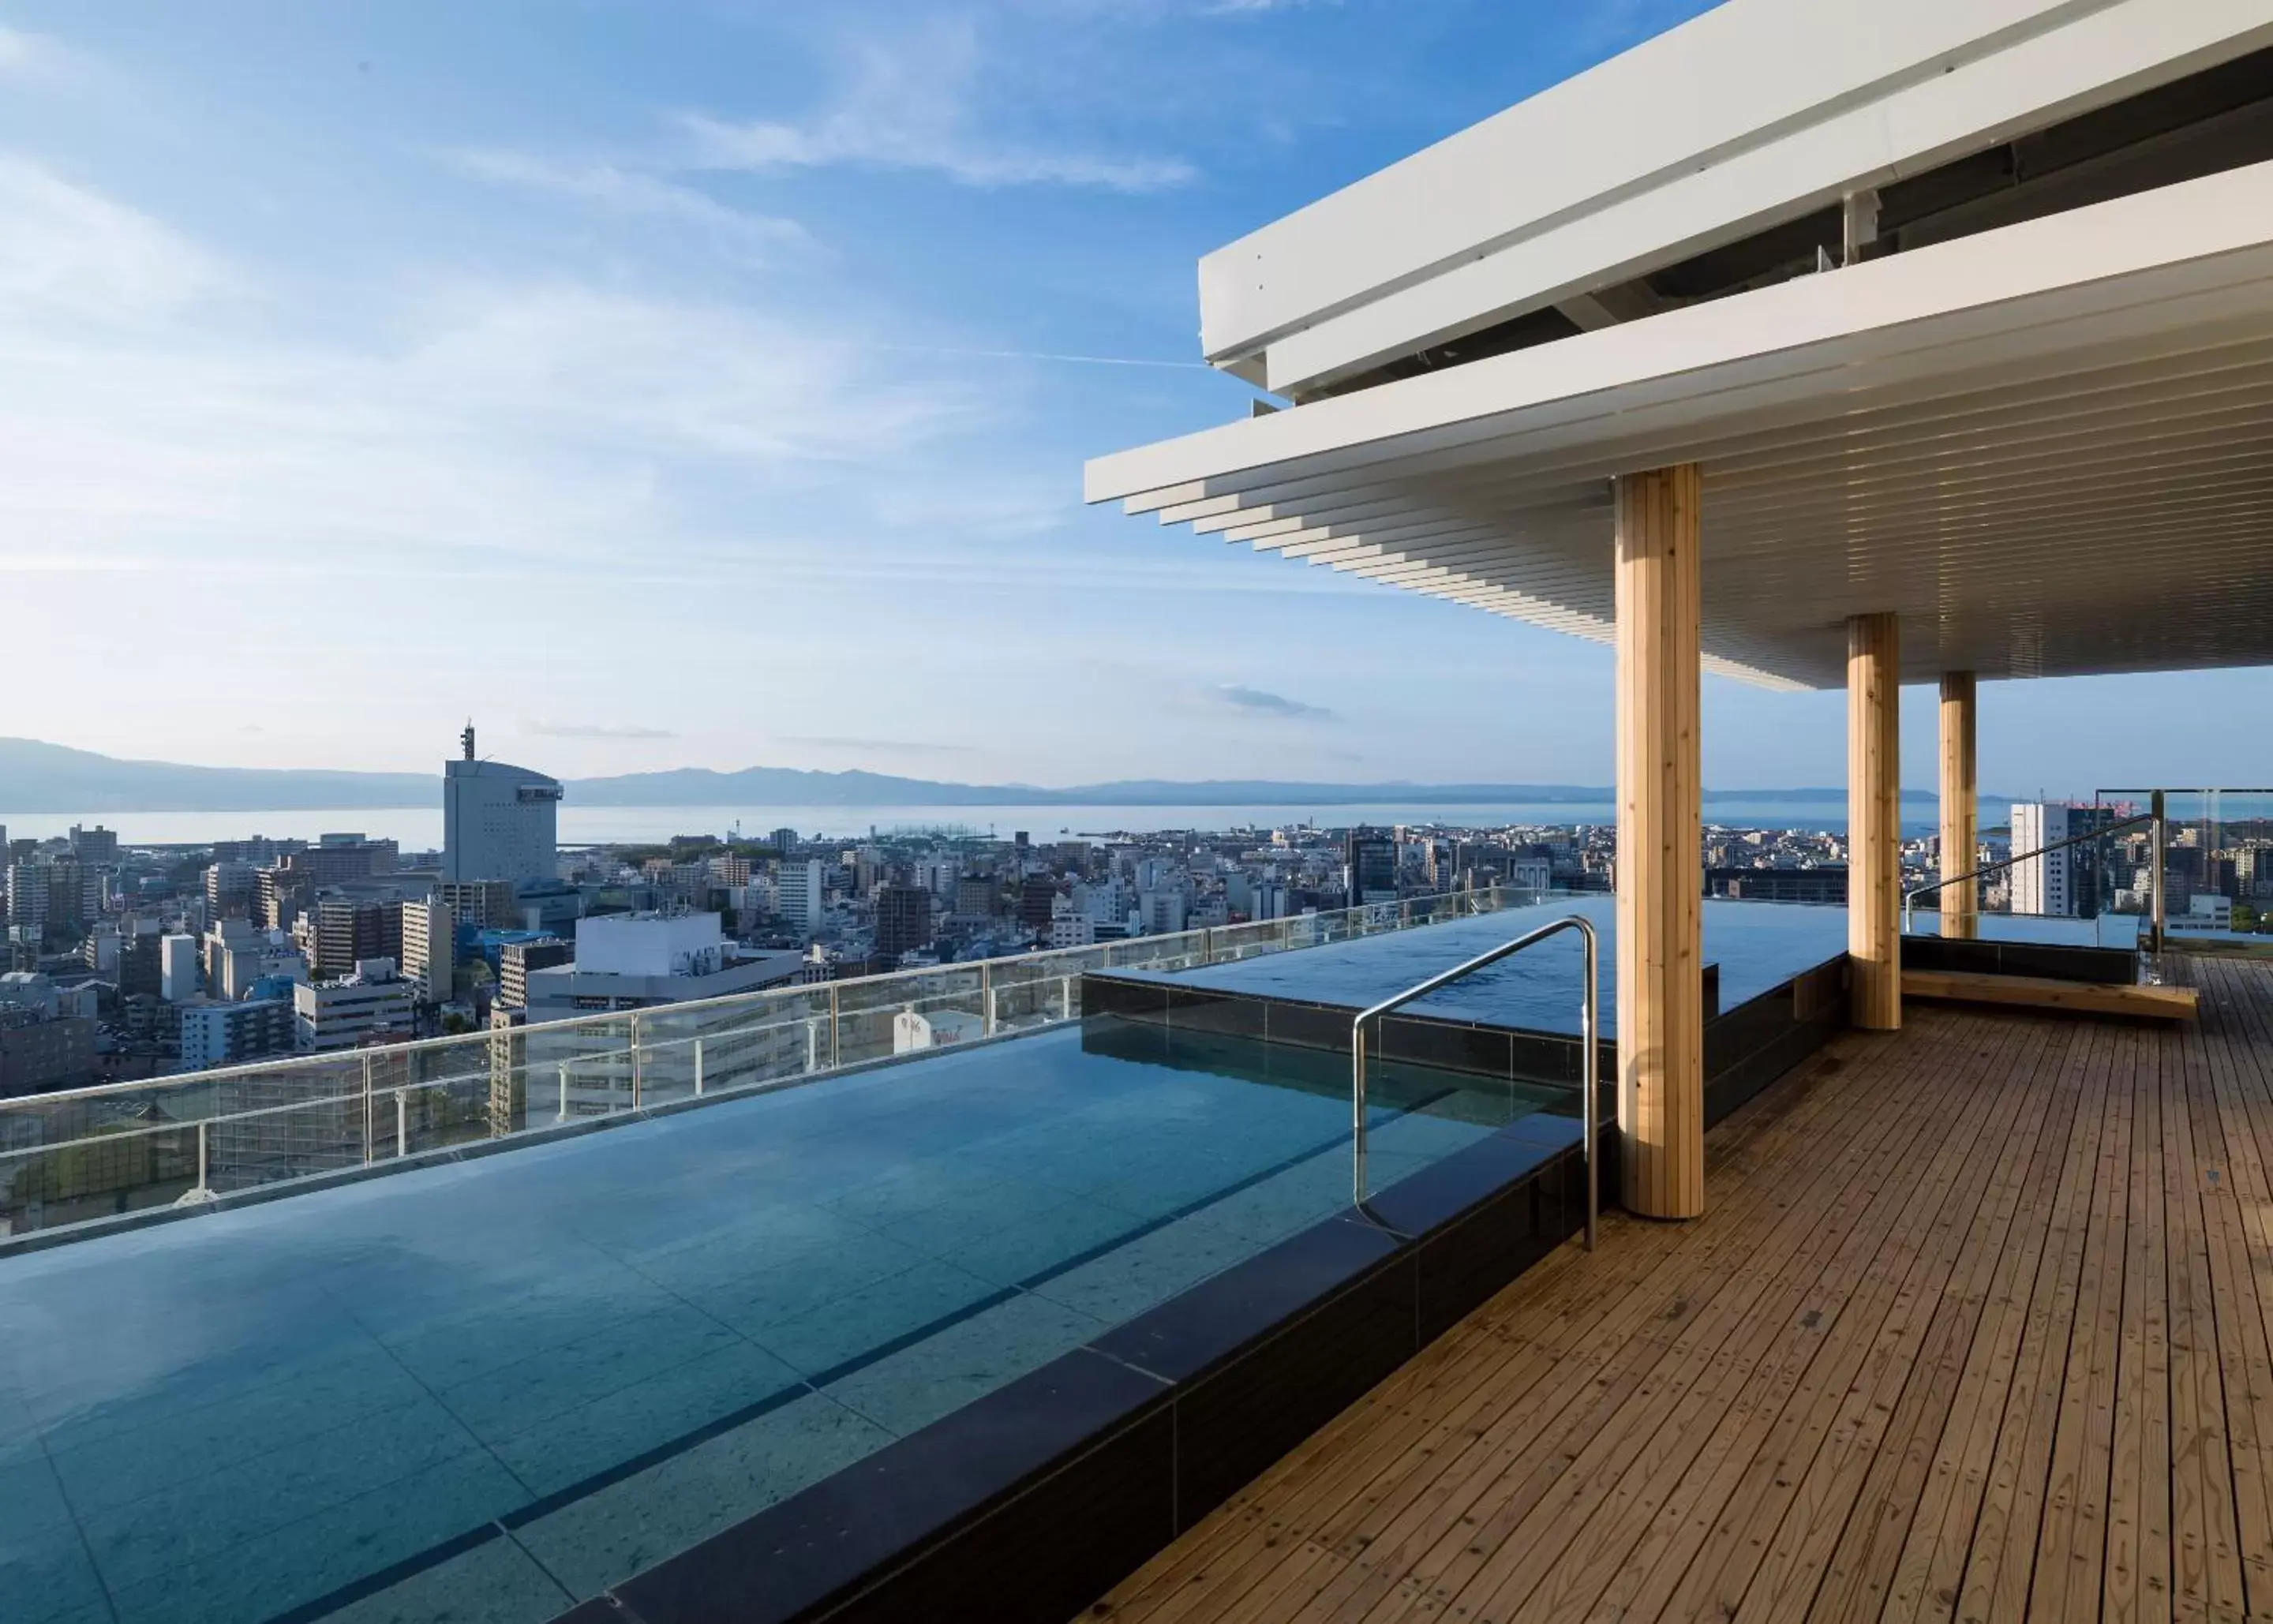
(976, 896)
(45, 893)
(798, 894)
(231, 890)
(2064, 883)
(282, 897)
(902, 921)
(349, 931)
(1036, 893)
(337, 858)
(1370, 859)
(178, 975)
(94, 845)
(498, 822)
(430, 945)
(486, 904)
(516, 960)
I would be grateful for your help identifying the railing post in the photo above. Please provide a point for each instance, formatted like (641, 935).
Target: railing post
(205, 1180)
(564, 1091)
(1065, 996)
(401, 1126)
(1357, 1113)
(639, 1060)
(1207, 944)
(812, 1044)
(986, 995)
(1589, 1071)
(698, 1068)
(369, 1128)
(2161, 917)
(836, 1040)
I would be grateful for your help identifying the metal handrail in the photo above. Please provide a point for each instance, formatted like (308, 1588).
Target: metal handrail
(1589, 1024)
(1916, 892)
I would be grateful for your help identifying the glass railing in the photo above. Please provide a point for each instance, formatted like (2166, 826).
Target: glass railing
(88, 1154)
(2215, 863)
(2065, 889)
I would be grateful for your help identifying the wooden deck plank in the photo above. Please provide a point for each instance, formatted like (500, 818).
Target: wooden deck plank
(1979, 1324)
(1447, 1395)
(1314, 1537)
(1940, 1539)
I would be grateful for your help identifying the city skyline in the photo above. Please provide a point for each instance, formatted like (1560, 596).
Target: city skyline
(726, 354)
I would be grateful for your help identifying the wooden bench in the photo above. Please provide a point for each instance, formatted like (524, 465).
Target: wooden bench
(2156, 1003)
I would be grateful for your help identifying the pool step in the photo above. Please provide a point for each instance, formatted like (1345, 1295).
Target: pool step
(2042, 992)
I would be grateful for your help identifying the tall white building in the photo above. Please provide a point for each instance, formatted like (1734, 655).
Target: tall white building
(797, 896)
(2065, 882)
(178, 975)
(498, 822)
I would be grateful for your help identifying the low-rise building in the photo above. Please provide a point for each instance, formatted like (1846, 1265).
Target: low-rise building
(217, 1034)
(374, 1003)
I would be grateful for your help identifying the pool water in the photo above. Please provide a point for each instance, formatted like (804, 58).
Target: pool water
(1756, 945)
(487, 1389)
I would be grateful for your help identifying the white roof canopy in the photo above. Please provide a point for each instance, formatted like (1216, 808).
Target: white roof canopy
(1756, 112)
(2049, 447)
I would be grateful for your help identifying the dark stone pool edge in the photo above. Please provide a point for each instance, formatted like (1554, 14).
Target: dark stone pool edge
(1032, 1502)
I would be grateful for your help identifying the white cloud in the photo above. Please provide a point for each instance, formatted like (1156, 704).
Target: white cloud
(909, 102)
(751, 237)
(67, 252)
(148, 425)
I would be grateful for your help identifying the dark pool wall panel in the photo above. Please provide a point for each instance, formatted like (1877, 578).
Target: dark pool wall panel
(2054, 961)
(1030, 1503)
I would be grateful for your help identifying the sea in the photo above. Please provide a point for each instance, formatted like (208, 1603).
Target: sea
(419, 829)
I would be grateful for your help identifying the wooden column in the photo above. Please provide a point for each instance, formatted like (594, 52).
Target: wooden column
(1961, 805)
(1874, 837)
(1660, 989)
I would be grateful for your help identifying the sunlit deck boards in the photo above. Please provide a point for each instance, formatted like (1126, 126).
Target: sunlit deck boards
(1979, 1324)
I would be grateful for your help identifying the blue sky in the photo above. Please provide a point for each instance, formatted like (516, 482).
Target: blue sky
(709, 385)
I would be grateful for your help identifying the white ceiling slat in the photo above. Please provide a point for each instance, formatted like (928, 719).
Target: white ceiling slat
(2047, 447)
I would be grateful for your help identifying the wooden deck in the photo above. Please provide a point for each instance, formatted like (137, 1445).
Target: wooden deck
(1979, 1324)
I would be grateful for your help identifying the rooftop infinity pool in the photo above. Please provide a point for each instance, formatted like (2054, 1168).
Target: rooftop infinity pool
(489, 1388)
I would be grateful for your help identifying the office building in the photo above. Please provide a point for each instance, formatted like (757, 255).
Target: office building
(429, 947)
(517, 960)
(498, 822)
(976, 897)
(798, 894)
(230, 1034)
(485, 905)
(2067, 883)
(232, 890)
(1162, 913)
(372, 1003)
(338, 858)
(346, 932)
(282, 895)
(91, 846)
(1369, 866)
(1036, 894)
(902, 921)
(39, 1053)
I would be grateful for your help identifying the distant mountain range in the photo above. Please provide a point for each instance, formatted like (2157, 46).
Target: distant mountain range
(36, 777)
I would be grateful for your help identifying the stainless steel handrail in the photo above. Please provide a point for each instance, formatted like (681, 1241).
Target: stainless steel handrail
(1589, 1025)
(1916, 892)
